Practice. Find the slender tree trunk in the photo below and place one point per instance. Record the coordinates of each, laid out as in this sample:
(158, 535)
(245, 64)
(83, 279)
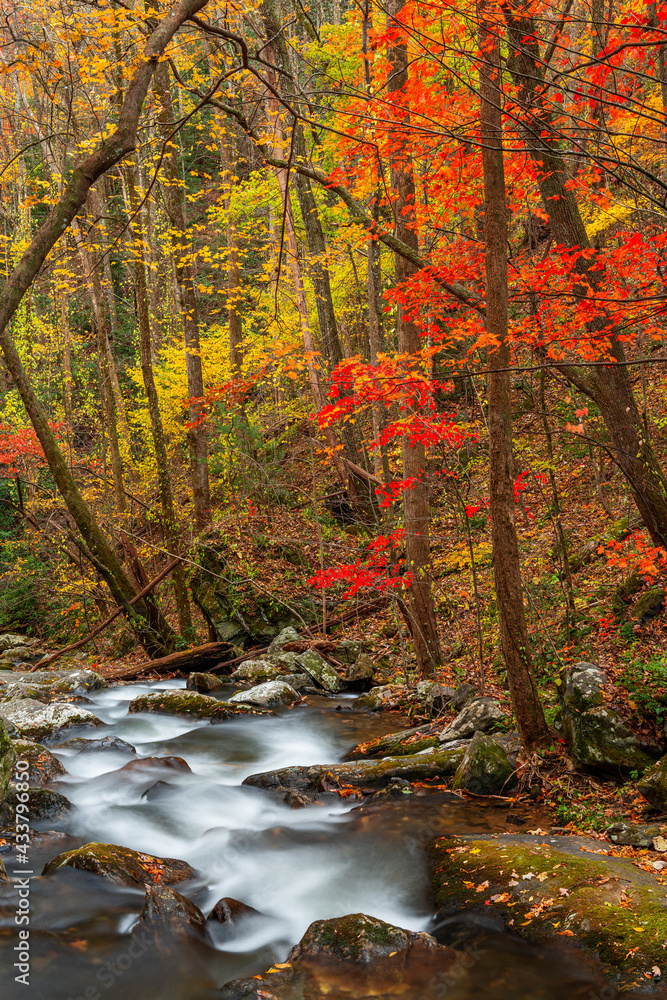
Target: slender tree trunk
(506, 564)
(415, 504)
(175, 202)
(234, 317)
(171, 529)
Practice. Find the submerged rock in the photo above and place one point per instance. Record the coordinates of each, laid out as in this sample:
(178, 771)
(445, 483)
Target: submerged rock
(204, 683)
(231, 911)
(361, 773)
(478, 715)
(43, 766)
(83, 745)
(596, 736)
(122, 865)
(485, 769)
(272, 694)
(190, 704)
(40, 722)
(169, 914)
(322, 672)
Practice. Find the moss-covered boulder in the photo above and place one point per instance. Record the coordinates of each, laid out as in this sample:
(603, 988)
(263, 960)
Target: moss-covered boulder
(168, 915)
(43, 766)
(203, 683)
(288, 634)
(45, 723)
(649, 605)
(233, 608)
(653, 785)
(633, 834)
(357, 938)
(324, 675)
(9, 640)
(298, 681)
(190, 704)
(379, 699)
(596, 735)
(440, 763)
(43, 803)
(7, 760)
(485, 769)
(543, 887)
(272, 694)
(256, 672)
(122, 865)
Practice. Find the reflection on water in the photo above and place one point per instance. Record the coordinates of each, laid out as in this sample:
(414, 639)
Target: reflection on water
(295, 866)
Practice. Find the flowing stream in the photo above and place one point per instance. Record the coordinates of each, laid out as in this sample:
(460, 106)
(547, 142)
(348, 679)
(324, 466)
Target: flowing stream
(293, 865)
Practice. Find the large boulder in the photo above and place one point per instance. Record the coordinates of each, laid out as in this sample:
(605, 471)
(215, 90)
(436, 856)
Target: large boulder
(272, 694)
(653, 785)
(478, 716)
(285, 635)
(7, 760)
(45, 723)
(10, 640)
(596, 735)
(632, 834)
(378, 699)
(43, 803)
(122, 865)
(46, 685)
(485, 769)
(357, 938)
(324, 675)
(190, 704)
(235, 610)
(298, 681)
(43, 766)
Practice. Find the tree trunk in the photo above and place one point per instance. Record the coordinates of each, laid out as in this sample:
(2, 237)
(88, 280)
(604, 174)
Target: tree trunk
(172, 534)
(506, 565)
(153, 632)
(175, 202)
(234, 316)
(415, 504)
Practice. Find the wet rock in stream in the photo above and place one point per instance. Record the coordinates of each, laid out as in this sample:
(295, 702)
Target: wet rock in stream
(190, 704)
(43, 766)
(168, 914)
(485, 769)
(7, 760)
(122, 865)
(81, 744)
(271, 694)
(203, 683)
(50, 685)
(229, 911)
(33, 720)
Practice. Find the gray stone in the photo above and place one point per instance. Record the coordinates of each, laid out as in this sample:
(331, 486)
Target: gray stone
(271, 695)
(485, 768)
(322, 672)
(584, 687)
(285, 661)
(298, 681)
(349, 651)
(39, 722)
(434, 697)
(9, 640)
(631, 835)
(359, 677)
(377, 699)
(479, 715)
(255, 672)
(83, 745)
(464, 693)
(288, 634)
(46, 686)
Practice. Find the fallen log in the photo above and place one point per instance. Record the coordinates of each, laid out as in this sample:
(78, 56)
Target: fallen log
(209, 658)
(100, 628)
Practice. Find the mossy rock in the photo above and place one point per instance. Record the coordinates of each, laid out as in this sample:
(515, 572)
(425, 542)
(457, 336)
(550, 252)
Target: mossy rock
(256, 671)
(43, 803)
(122, 865)
(600, 740)
(653, 785)
(191, 705)
(485, 769)
(271, 694)
(402, 744)
(47, 686)
(440, 763)
(43, 766)
(649, 605)
(7, 760)
(203, 683)
(544, 888)
(356, 938)
(625, 590)
(324, 675)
